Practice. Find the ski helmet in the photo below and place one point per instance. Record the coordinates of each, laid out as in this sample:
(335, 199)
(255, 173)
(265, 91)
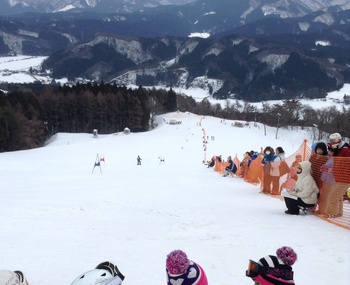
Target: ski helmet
(104, 273)
(21, 277)
(12, 278)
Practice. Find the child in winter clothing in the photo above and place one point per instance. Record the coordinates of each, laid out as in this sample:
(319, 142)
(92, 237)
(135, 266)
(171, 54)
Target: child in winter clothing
(292, 176)
(275, 170)
(305, 191)
(182, 271)
(274, 270)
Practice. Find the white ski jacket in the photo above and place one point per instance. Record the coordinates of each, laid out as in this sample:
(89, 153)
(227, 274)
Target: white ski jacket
(306, 188)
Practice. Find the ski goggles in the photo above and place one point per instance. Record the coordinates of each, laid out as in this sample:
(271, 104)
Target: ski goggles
(255, 269)
(333, 145)
(299, 169)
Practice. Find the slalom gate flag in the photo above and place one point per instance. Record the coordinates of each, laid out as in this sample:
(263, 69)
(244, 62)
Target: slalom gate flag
(97, 163)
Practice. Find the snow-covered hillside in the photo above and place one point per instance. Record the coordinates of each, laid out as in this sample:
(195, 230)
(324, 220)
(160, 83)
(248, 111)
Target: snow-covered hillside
(16, 70)
(60, 216)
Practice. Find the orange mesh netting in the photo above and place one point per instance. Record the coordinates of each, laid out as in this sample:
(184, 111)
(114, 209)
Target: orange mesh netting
(254, 173)
(223, 166)
(217, 167)
(238, 164)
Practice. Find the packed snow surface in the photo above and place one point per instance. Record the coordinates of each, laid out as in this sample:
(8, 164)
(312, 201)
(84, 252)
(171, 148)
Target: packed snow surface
(61, 216)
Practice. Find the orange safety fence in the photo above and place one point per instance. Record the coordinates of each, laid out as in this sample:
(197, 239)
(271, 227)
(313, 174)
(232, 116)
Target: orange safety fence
(217, 167)
(254, 173)
(335, 182)
(223, 166)
(238, 164)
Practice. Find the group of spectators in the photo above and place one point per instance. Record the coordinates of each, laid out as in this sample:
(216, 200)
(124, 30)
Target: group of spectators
(331, 169)
(319, 180)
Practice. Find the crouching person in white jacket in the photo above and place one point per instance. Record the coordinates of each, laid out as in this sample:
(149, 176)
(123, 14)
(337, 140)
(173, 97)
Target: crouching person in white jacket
(305, 193)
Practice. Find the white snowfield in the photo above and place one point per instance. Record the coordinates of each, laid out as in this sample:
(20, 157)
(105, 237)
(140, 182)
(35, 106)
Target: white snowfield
(59, 218)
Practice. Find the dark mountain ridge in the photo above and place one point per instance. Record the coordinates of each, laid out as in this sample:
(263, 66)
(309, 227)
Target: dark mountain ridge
(252, 68)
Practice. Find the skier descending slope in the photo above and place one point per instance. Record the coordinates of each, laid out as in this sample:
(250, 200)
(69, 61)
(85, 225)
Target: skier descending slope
(106, 273)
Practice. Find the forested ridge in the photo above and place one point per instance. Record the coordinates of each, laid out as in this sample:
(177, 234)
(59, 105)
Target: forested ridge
(29, 115)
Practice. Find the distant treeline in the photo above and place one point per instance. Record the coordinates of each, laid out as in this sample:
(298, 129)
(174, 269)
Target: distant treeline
(30, 114)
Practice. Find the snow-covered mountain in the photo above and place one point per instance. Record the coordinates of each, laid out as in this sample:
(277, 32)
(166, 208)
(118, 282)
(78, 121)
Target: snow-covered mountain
(50, 6)
(245, 8)
(255, 46)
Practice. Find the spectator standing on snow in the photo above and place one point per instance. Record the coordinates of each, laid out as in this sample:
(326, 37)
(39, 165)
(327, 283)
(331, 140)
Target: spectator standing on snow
(254, 171)
(340, 147)
(244, 164)
(321, 148)
(139, 160)
(279, 154)
(268, 157)
(253, 156)
(182, 271)
(327, 177)
(276, 170)
(274, 270)
(318, 158)
(305, 193)
(342, 182)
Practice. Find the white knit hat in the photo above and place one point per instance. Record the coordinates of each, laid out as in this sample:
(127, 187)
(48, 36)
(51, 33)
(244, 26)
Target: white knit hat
(334, 140)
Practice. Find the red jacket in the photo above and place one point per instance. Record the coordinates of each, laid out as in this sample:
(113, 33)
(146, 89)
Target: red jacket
(344, 151)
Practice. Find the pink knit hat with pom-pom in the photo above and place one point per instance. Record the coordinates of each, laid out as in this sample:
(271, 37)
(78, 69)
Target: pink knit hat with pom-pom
(280, 271)
(182, 271)
(177, 262)
(287, 255)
